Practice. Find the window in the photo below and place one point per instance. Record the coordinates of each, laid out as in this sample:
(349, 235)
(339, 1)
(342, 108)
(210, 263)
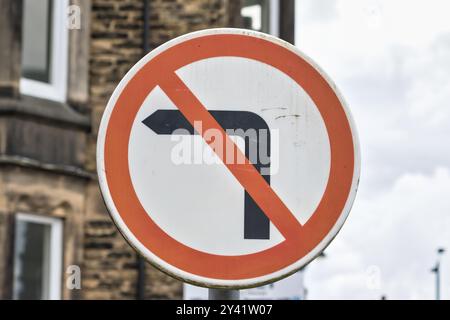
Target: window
(37, 257)
(262, 15)
(44, 49)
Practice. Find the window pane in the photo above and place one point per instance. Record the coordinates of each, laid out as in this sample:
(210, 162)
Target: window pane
(36, 39)
(31, 261)
(256, 15)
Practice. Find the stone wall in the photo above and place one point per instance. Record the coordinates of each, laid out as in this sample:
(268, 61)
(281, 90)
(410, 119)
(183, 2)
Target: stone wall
(170, 19)
(47, 149)
(110, 265)
(27, 190)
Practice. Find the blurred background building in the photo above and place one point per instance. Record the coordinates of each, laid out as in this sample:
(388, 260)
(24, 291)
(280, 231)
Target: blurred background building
(60, 60)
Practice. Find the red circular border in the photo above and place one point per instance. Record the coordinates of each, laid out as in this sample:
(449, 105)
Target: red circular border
(194, 261)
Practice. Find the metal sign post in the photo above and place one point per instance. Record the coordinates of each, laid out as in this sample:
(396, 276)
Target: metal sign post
(223, 294)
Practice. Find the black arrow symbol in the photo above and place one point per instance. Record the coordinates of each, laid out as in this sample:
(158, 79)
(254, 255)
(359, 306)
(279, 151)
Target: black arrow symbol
(165, 122)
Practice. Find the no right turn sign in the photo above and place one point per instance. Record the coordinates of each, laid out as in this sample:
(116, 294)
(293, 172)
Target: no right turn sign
(227, 158)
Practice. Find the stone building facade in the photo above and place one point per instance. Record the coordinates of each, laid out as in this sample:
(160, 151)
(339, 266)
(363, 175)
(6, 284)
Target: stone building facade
(52, 216)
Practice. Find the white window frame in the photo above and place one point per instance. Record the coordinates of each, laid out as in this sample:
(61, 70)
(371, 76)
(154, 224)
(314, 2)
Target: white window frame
(274, 17)
(55, 253)
(56, 89)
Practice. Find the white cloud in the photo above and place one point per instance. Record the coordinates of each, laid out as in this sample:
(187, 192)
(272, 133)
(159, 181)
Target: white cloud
(361, 33)
(391, 60)
(395, 78)
(397, 233)
(429, 96)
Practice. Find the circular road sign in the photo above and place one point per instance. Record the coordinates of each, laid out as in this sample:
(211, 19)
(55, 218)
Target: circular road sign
(228, 158)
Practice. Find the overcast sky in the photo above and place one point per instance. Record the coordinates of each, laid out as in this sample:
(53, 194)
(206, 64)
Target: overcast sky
(391, 61)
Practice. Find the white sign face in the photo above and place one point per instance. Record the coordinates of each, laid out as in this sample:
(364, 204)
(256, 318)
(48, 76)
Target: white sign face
(227, 158)
(204, 186)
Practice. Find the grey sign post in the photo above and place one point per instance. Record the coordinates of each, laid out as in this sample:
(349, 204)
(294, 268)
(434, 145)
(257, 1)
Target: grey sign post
(223, 294)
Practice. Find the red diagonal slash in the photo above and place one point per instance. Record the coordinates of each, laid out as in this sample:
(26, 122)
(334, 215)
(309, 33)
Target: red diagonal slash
(244, 172)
